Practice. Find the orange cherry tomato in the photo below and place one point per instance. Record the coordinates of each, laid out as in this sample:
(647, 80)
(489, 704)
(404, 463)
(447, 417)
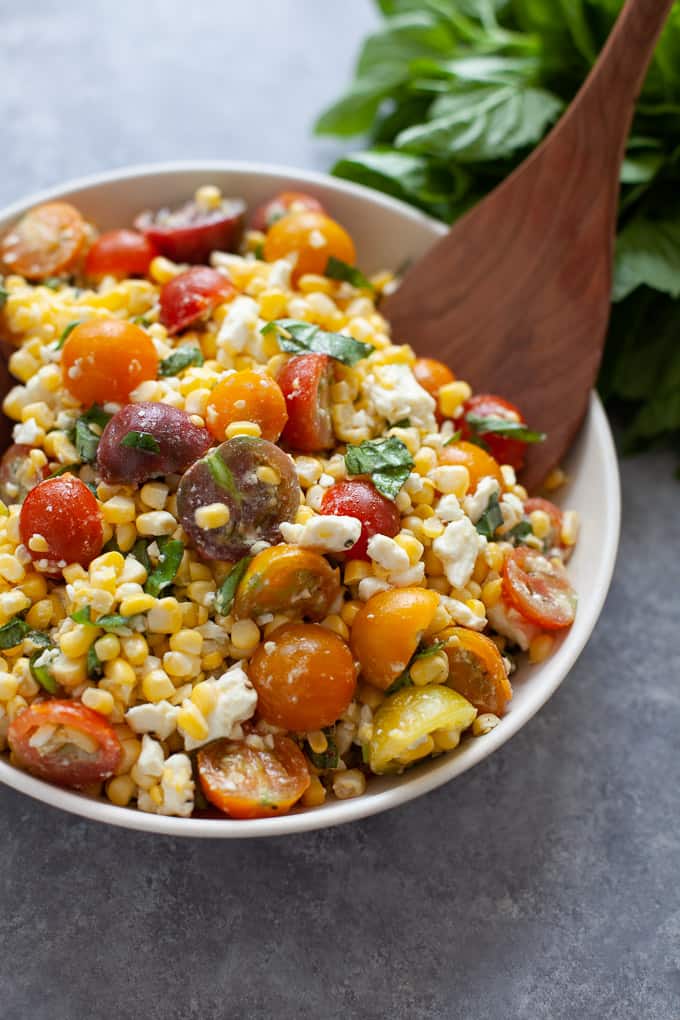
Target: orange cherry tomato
(504, 449)
(304, 677)
(61, 759)
(282, 204)
(249, 782)
(286, 577)
(478, 462)
(432, 374)
(46, 241)
(119, 253)
(554, 538)
(65, 513)
(387, 631)
(191, 295)
(476, 670)
(105, 359)
(247, 396)
(539, 589)
(314, 237)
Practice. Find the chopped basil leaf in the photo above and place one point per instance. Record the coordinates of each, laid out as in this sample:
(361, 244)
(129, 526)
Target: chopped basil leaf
(222, 474)
(53, 282)
(181, 359)
(403, 680)
(491, 519)
(258, 251)
(39, 639)
(93, 663)
(111, 545)
(424, 653)
(304, 337)
(403, 423)
(327, 759)
(97, 415)
(4, 294)
(387, 461)
(41, 673)
(109, 623)
(143, 441)
(504, 427)
(454, 438)
(141, 555)
(172, 551)
(85, 437)
(66, 333)
(519, 532)
(82, 615)
(141, 320)
(13, 633)
(336, 269)
(227, 590)
(63, 469)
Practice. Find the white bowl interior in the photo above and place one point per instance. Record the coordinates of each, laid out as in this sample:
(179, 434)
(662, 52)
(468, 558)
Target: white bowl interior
(387, 233)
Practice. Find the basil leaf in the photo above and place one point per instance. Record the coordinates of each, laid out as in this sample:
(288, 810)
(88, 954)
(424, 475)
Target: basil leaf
(84, 436)
(66, 333)
(180, 359)
(82, 615)
(224, 598)
(97, 416)
(327, 759)
(113, 622)
(141, 555)
(503, 427)
(403, 680)
(141, 320)
(336, 269)
(143, 441)
(403, 423)
(304, 337)
(4, 294)
(425, 653)
(39, 639)
(41, 673)
(13, 633)
(491, 519)
(518, 533)
(64, 469)
(387, 461)
(258, 251)
(54, 282)
(93, 664)
(222, 474)
(455, 438)
(172, 551)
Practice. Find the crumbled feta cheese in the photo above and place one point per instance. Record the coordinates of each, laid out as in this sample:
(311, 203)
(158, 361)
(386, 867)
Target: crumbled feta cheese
(395, 394)
(476, 503)
(461, 614)
(448, 509)
(511, 624)
(240, 329)
(387, 553)
(149, 764)
(412, 575)
(176, 788)
(279, 274)
(235, 702)
(332, 533)
(160, 718)
(512, 509)
(370, 586)
(458, 548)
(28, 432)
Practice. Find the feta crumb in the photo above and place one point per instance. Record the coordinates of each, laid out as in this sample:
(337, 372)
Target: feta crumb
(332, 533)
(387, 553)
(160, 718)
(458, 548)
(511, 624)
(395, 393)
(476, 503)
(448, 509)
(235, 702)
(240, 329)
(370, 586)
(28, 432)
(176, 787)
(461, 614)
(412, 575)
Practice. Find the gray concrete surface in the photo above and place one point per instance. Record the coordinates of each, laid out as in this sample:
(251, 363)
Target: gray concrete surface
(544, 884)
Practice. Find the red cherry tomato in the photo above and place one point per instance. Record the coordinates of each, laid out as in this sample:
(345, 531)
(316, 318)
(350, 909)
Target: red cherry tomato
(554, 538)
(119, 253)
(64, 759)
(360, 498)
(191, 233)
(502, 449)
(192, 294)
(539, 589)
(287, 201)
(65, 513)
(305, 382)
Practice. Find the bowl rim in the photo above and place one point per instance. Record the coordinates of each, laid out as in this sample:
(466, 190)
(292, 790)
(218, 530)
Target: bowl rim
(400, 793)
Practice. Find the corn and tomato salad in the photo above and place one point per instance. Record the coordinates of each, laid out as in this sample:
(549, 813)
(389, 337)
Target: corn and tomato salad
(251, 551)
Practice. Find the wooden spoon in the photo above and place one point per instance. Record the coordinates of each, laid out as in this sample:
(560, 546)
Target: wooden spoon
(516, 297)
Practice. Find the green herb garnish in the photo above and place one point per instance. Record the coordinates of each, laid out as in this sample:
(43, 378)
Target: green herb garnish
(403, 680)
(4, 294)
(54, 282)
(139, 551)
(327, 759)
(141, 320)
(171, 552)
(224, 598)
(455, 438)
(304, 337)
(221, 474)
(64, 469)
(41, 673)
(504, 427)
(258, 251)
(110, 622)
(519, 532)
(387, 461)
(180, 359)
(86, 439)
(425, 653)
(67, 332)
(491, 519)
(336, 269)
(142, 441)
(13, 633)
(93, 664)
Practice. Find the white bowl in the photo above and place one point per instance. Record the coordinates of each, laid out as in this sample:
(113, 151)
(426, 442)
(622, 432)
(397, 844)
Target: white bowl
(387, 233)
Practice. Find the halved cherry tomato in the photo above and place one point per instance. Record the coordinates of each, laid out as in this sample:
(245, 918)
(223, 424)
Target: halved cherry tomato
(405, 722)
(357, 497)
(387, 631)
(305, 382)
(83, 748)
(46, 241)
(314, 237)
(192, 294)
(191, 233)
(286, 577)
(249, 782)
(476, 670)
(65, 513)
(180, 443)
(266, 215)
(432, 374)
(554, 537)
(503, 449)
(247, 396)
(17, 473)
(304, 677)
(478, 462)
(539, 589)
(105, 359)
(119, 253)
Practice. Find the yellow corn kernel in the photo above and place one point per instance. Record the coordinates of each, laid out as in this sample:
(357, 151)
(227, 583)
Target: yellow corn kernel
(570, 528)
(268, 475)
(452, 479)
(411, 546)
(202, 593)
(315, 794)
(318, 741)
(13, 602)
(474, 589)
(349, 611)
(156, 794)
(433, 527)
(130, 748)
(34, 587)
(245, 635)
(445, 740)
(541, 523)
(9, 685)
(540, 648)
(432, 669)
(304, 514)
(357, 570)
(440, 620)
(39, 615)
(214, 515)
(155, 523)
(179, 664)
(165, 617)
(337, 625)
(157, 685)
(22, 366)
(451, 396)
(278, 621)
(494, 556)
(107, 647)
(134, 604)
(77, 641)
(481, 570)
(98, 701)
(120, 673)
(425, 460)
(69, 672)
(119, 510)
(491, 593)
(110, 560)
(477, 607)
(243, 428)
(204, 697)
(212, 660)
(273, 304)
(369, 695)
(425, 497)
(74, 572)
(120, 790)
(135, 649)
(413, 524)
(311, 282)
(104, 578)
(484, 724)
(11, 569)
(555, 480)
(162, 270)
(126, 536)
(199, 571)
(191, 721)
(350, 783)
(433, 565)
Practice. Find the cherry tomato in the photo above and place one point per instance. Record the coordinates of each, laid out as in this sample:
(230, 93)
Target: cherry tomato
(65, 513)
(247, 396)
(306, 383)
(46, 241)
(478, 462)
(404, 723)
(191, 233)
(17, 473)
(83, 749)
(286, 577)
(387, 631)
(249, 782)
(476, 670)
(554, 538)
(539, 589)
(180, 443)
(105, 359)
(314, 237)
(432, 374)
(304, 677)
(486, 405)
(357, 497)
(119, 253)
(192, 294)
(282, 204)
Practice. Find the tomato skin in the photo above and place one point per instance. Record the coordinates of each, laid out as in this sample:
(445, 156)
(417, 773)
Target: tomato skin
(478, 462)
(119, 253)
(66, 514)
(47, 241)
(314, 237)
(387, 629)
(52, 767)
(305, 382)
(17, 475)
(304, 677)
(539, 589)
(266, 215)
(247, 396)
(476, 670)
(502, 449)
(191, 233)
(191, 294)
(432, 374)
(106, 359)
(284, 577)
(247, 782)
(359, 498)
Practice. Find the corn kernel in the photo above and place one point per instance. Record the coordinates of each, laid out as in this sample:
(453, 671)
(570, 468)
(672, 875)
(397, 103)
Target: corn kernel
(451, 479)
(484, 724)
(268, 475)
(491, 593)
(157, 686)
(11, 569)
(130, 748)
(120, 790)
(119, 510)
(98, 701)
(214, 515)
(34, 587)
(541, 523)
(440, 620)
(135, 649)
(39, 615)
(445, 740)
(477, 607)
(555, 480)
(204, 697)
(69, 672)
(425, 460)
(369, 695)
(494, 556)
(570, 528)
(357, 570)
(540, 648)
(243, 428)
(120, 673)
(273, 304)
(189, 641)
(191, 721)
(107, 647)
(202, 593)
(212, 660)
(165, 617)
(74, 572)
(9, 685)
(411, 546)
(433, 527)
(245, 635)
(179, 664)
(38, 543)
(432, 669)
(315, 794)
(76, 642)
(451, 396)
(162, 270)
(349, 611)
(350, 783)
(134, 604)
(155, 523)
(337, 625)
